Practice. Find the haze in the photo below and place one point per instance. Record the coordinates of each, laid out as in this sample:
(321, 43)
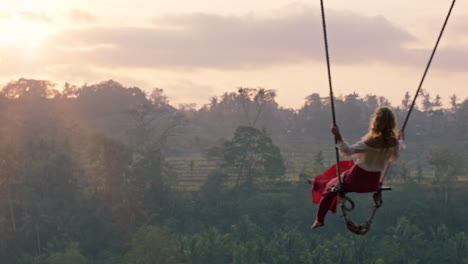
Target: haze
(197, 50)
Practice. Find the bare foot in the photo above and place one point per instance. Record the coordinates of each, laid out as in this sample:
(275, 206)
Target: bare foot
(316, 224)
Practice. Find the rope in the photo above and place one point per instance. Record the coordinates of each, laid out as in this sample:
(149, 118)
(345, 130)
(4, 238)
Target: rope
(332, 101)
(423, 77)
(353, 227)
(428, 65)
(360, 229)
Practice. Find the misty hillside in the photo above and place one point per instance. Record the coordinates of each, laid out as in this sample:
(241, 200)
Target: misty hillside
(103, 173)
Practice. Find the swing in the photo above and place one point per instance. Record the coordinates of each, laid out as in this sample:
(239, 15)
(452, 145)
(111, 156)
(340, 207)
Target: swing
(363, 228)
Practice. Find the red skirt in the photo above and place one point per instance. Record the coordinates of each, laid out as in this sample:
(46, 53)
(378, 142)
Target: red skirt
(356, 180)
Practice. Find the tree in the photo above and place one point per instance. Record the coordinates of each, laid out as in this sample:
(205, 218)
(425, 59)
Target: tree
(318, 165)
(454, 102)
(402, 170)
(109, 182)
(437, 101)
(447, 166)
(214, 153)
(461, 118)
(28, 88)
(461, 245)
(152, 125)
(426, 101)
(312, 117)
(9, 171)
(45, 188)
(406, 101)
(257, 99)
(104, 107)
(372, 101)
(408, 237)
(447, 163)
(313, 99)
(71, 255)
(352, 114)
(151, 244)
(251, 153)
(158, 98)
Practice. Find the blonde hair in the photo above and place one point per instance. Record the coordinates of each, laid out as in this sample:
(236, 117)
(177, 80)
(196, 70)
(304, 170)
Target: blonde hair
(382, 124)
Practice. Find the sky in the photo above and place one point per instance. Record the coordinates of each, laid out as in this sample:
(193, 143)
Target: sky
(198, 49)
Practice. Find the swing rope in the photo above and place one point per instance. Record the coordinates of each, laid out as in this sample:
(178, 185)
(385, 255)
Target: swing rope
(427, 67)
(332, 101)
(362, 229)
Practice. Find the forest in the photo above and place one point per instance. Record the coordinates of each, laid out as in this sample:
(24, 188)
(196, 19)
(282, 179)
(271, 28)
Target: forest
(107, 174)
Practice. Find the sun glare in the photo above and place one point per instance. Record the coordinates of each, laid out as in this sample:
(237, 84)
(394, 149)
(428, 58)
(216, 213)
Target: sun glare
(17, 30)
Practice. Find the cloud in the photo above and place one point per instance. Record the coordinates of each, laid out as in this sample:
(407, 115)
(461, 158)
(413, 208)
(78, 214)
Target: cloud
(81, 17)
(457, 28)
(35, 16)
(212, 41)
(460, 23)
(195, 41)
(73, 73)
(451, 59)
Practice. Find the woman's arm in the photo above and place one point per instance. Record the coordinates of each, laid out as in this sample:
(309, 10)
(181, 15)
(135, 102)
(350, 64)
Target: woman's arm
(336, 131)
(346, 149)
(401, 135)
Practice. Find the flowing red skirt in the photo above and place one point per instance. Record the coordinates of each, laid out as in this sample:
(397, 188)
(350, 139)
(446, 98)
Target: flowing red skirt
(356, 180)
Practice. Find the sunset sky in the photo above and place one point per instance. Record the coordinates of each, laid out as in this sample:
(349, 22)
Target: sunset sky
(198, 49)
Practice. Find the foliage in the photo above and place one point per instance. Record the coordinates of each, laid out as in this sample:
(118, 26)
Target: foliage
(71, 255)
(252, 153)
(149, 245)
(84, 179)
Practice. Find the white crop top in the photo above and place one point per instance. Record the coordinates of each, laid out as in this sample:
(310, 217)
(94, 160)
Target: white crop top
(369, 158)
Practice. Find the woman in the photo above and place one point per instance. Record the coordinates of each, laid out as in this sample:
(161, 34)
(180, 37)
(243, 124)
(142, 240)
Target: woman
(373, 154)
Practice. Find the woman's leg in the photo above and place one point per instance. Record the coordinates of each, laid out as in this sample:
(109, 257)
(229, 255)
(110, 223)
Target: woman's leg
(327, 201)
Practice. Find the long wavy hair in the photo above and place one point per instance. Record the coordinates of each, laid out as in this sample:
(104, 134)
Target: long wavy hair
(383, 125)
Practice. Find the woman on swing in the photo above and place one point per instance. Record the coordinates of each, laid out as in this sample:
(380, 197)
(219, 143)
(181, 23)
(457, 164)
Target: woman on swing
(373, 154)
